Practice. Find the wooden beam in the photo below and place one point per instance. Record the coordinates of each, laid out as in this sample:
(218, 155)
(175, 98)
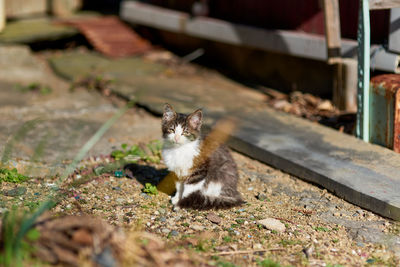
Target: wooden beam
(332, 30)
(342, 91)
(293, 43)
(383, 4)
(394, 30)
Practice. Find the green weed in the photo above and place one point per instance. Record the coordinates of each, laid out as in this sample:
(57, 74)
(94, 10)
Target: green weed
(240, 221)
(321, 229)
(35, 87)
(267, 263)
(150, 189)
(225, 264)
(12, 176)
(150, 152)
(17, 226)
(227, 239)
(18, 234)
(287, 242)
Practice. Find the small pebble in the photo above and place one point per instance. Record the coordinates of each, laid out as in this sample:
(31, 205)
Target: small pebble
(174, 233)
(105, 258)
(257, 246)
(165, 231)
(145, 196)
(99, 170)
(308, 251)
(18, 191)
(214, 218)
(163, 219)
(118, 174)
(162, 211)
(116, 188)
(272, 224)
(198, 227)
(120, 200)
(261, 197)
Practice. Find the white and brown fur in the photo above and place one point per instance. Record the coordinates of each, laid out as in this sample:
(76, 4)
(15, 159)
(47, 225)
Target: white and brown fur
(211, 184)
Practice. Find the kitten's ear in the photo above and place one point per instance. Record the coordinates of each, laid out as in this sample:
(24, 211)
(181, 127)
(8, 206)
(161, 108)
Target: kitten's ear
(195, 119)
(169, 113)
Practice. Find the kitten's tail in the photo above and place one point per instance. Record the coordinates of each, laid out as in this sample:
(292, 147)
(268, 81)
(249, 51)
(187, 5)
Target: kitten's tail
(198, 201)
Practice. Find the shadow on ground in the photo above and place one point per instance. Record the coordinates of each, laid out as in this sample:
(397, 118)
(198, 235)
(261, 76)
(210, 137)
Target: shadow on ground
(145, 173)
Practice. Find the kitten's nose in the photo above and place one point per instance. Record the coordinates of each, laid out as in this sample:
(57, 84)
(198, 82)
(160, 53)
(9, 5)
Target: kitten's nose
(176, 137)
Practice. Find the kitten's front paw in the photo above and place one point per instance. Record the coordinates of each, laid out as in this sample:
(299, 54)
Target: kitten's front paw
(174, 200)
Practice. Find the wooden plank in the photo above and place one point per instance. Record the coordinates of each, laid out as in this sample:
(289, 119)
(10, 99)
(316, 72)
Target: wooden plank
(332, 30)
(333, 47)
(394, 30)
(23, 8)
(383, 4)
(361, 173)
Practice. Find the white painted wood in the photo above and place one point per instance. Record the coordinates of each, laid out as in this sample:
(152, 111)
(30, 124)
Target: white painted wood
(161, 18)
(23, 8)
(2, 15)
(383, 4)
(63, 8)
(394, 30)
(293, 43)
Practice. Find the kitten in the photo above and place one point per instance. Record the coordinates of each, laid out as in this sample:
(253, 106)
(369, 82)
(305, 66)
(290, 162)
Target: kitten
(210, 184)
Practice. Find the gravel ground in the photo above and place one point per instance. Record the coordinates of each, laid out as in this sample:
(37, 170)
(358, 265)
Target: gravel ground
(320, 229)
(312, 226)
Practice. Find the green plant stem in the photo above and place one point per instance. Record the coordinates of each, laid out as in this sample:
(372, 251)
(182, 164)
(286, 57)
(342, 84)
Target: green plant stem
(92, 141)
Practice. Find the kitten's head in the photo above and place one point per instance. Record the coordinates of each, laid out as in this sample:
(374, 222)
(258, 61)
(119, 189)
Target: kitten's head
(180, 129)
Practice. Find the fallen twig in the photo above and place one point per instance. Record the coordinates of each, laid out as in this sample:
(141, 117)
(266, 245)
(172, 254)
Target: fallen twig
(244, 251)
(282, 219)
(304, 211)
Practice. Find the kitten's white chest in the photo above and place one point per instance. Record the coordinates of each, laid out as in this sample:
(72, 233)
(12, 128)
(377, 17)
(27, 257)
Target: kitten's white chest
(180, 159)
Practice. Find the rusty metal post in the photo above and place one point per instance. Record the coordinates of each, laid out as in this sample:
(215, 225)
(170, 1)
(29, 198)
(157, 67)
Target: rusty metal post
(363, 38)
(385, 102)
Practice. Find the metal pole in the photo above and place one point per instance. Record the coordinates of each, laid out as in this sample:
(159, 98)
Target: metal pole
(363, 38)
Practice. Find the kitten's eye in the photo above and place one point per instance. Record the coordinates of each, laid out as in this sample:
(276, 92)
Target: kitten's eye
(171, 130)
(186, 133)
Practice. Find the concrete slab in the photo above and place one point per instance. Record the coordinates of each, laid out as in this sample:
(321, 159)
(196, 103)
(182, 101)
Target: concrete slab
(35, 30)
(361, 173)
(74, 64)
(65, 120)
